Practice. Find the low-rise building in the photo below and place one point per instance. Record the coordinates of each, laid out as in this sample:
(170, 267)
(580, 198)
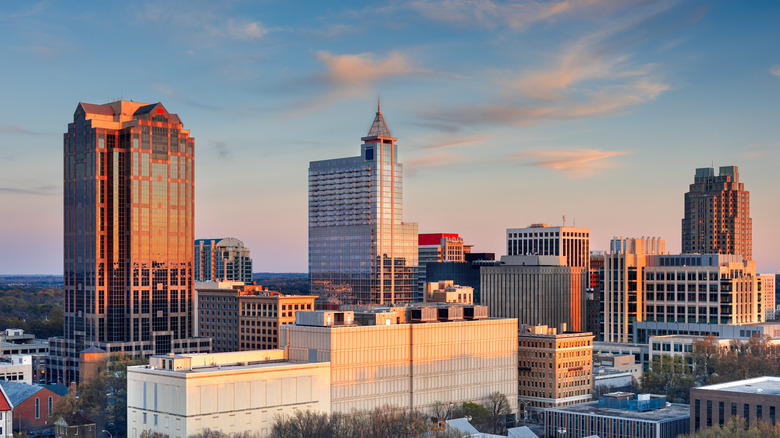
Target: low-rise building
(554, 369)
(18, 368)
(78, 426)
(33, 405)
(752, 399)
(329, 364)
(446, 291)
(17, 342)
(6, 415)
(620, 414)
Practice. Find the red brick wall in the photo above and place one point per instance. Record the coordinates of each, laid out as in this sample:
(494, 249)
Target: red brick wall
(26, 411)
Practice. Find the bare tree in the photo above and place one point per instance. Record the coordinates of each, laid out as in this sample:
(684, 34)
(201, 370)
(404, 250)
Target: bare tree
(498, 406)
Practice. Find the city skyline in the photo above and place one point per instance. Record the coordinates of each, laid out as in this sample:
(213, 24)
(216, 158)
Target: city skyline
(511, 114)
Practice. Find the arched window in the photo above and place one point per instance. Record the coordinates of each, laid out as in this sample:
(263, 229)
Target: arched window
(37, 408)
(51, 405)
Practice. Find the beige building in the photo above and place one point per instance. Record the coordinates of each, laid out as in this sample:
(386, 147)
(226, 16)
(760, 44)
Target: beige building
(752, 399)
(446, 291)
(766, 285)
(330, 364)
(554, 369)
(242, 317)
(183, 395)
(437, 247)
(536, 290)
(18, 368)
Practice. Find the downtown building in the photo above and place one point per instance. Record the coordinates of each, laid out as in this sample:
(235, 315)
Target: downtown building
(435, 248)
(360, 250)
(128, 233)
(717, 214)
(546, 240)
(641, 284)
(329, 364)
(222, 260)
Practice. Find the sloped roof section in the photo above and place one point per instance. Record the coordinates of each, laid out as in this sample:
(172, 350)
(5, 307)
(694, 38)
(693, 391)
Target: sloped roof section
(146, 108)
(91, 108)
(378, 127)
(5, 402)
(18, 392)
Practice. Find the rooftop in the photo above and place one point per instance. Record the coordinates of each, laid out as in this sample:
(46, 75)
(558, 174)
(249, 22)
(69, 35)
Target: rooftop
(671, 411)
(766, 385)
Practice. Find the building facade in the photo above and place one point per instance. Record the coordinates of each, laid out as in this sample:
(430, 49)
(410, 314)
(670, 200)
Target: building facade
(6, 415)
(620, 414)
(546, 240)
(33, 406)
(247, 317)
(554, 369)
(766, 286)
(717, 214)
(434, 248)
(752, 399)
(537, 290)
(360, 250)
(448, 292)
(222, 260)
(128, 227)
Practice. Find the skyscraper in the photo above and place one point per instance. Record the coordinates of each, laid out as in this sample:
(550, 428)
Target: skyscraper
(437, 247)
(360, 250)
(128, 233)
(222, 260)
(542, 239)
(717, 214)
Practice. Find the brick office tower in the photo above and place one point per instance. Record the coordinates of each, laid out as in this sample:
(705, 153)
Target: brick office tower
(128, 233)
(717, 214)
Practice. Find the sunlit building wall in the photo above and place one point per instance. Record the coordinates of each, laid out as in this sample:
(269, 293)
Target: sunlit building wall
(222, 260)
(360, 251)
(128, 227)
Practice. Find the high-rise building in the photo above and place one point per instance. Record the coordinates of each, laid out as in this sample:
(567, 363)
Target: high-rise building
(437, 247)
(360, 250)
(717, 214)
(643, 284)
(766, 285)
(128, 226)
(546, 240)
(222, 260)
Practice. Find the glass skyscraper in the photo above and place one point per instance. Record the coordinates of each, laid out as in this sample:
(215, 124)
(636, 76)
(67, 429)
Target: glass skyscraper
(360, 250)
(128, 233)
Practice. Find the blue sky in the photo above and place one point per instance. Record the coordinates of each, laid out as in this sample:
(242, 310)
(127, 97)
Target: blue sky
(506, 113)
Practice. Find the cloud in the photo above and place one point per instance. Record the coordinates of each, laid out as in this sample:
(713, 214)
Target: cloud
(365, 67)
(221, 148)
(775, 70)
(18, 129)
(575, 163)
(456, 142)
(433, 159)
(38, 191)
(246, 30)
(163, 89)
(514, 15)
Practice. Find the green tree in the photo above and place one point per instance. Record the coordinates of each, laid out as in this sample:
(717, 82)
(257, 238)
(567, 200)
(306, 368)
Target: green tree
(670, 375)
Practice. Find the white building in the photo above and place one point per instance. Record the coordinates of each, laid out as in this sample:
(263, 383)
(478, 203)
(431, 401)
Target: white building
(546, 240)
(18, 369)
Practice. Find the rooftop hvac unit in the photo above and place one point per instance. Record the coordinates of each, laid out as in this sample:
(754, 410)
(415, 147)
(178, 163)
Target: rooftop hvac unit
(422, 314)
(450, 313)
(475, 312)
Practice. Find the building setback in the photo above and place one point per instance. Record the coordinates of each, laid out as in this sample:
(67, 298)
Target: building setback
(222, 260)
(360, 250)
(128, 227)
(537, 290)
(717, 214)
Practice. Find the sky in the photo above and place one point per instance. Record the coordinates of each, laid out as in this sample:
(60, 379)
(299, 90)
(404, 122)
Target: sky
(506, 113)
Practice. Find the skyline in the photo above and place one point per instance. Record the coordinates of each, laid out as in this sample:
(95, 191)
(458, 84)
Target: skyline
(598, 111)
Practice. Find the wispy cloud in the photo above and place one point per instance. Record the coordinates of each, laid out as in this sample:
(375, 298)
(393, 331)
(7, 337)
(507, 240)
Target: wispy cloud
(167, 91)
(366, 67)
(775, 70)
(38, 191)
(437, 158)
(247, 30)
(455, 142)
(514, 15)
(575, 163)
(19, 129)
(221, 149)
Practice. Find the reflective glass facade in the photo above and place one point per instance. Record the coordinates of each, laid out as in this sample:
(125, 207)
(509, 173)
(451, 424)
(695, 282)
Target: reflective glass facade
(360, 250)
(128, 227)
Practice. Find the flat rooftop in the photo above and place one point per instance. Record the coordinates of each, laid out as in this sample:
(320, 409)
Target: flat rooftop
(672, 411)
(760, 385)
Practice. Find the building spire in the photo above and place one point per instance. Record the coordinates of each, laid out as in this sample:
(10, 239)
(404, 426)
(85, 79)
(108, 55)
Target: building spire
(379, 126)
(379, 104)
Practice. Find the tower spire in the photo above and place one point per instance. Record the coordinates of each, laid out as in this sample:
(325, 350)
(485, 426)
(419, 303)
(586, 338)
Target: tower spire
(379, 104)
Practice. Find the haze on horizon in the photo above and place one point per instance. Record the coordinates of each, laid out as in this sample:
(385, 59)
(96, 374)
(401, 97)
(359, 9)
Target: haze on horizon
(506, 113)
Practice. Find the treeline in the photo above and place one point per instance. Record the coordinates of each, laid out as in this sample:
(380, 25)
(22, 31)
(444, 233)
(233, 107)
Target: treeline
(710, 363)
(737, 427)
(35, 309)
(286, 285)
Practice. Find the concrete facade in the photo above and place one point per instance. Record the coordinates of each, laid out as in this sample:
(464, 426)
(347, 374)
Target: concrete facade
(183, 395)
(447, 292)
(546, 240)
(536, 290)
(766, 285)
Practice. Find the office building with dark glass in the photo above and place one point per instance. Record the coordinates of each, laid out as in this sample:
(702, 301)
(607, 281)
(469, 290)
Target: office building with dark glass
(128, 233)
(360, 250)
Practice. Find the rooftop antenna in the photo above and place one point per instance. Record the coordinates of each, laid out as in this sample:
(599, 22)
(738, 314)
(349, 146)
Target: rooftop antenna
(564, 220)
(379, 104)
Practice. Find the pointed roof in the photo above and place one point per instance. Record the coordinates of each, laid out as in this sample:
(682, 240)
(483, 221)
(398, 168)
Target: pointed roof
(379, 126)
(5, 402)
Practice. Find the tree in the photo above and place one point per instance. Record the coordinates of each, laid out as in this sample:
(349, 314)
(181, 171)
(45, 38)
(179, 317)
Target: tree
(498, 407)
(670, 375)
(736, 428)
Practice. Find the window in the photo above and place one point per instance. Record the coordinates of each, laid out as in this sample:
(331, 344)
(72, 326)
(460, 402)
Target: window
(51, 405)
(37, 408)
